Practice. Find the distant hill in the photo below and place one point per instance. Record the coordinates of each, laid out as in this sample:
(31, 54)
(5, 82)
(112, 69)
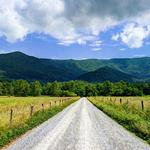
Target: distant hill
(106, 73)
(17, 65)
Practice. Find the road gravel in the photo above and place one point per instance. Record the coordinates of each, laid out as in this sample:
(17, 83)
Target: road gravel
(81, 126)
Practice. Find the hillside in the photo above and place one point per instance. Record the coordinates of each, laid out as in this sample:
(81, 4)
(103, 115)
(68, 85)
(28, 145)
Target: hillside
(17, 65)
(106, 73)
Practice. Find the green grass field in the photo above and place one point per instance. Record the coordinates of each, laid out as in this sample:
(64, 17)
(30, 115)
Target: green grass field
(128, 112)
(21, 120)
(21, 107)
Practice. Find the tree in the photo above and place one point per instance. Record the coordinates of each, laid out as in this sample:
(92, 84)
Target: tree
(53, 89)
(7, 88)
(91, 90)
(79, 88)
(21, 88)
(1, 88)
(36, 88)
(107, 88)
(118, 88)
(68, 93)
(146, 88)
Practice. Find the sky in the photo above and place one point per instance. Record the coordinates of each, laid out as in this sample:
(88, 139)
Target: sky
(76, 29)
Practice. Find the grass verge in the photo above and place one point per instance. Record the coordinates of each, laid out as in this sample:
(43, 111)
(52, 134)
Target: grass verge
(132, 119)
(6, 136)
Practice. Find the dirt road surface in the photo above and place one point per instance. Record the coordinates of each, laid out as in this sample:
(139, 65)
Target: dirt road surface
(81, 126)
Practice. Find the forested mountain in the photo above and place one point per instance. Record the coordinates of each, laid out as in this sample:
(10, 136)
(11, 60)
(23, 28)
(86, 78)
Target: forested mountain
(106, 73)
(17, 65)
(20, 66)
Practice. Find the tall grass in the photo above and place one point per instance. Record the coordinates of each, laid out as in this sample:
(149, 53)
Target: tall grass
(21, 107)
(127, 112)
(22, 120)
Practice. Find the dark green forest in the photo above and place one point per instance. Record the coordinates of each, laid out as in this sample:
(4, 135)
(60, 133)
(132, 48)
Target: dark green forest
(73, 88)
(16, 65)
(91, 77)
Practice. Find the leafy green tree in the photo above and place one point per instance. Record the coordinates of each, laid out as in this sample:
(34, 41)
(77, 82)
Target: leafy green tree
(70, 86)
(80, 88)
(136, 92)
(118, 88)
(21, 88)
(107, 88)
(47, 88)
(91, 90)
(68, 93)
(7, 88)
(1, 88)
(10, 89)
(145, 88)
(36, 88)
(73, 88)
(53, 89)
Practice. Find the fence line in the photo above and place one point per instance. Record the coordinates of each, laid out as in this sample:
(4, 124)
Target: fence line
(32, 109)
(129, 102)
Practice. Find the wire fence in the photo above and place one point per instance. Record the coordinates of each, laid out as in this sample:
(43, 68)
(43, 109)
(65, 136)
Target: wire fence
(137, 102)
(11, 116)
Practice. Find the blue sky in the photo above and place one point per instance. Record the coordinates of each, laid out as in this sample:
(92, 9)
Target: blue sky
(47, 47)
(70, 29)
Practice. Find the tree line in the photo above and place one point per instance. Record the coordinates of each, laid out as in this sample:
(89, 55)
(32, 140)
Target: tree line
(73, 88)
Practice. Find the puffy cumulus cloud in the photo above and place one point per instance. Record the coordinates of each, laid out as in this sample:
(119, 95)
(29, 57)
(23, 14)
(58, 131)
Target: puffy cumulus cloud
(115, 37)
(11, 25)
(133, 35)
(69, 21)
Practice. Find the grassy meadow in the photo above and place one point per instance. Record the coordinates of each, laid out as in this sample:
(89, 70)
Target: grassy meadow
(127, 111)
(27, 112)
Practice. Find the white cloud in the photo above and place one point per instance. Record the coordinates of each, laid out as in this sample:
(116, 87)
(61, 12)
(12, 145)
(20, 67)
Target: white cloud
(133, 35)
(3, 51)
(96, 43)
(96, 49)
(71, 21)
(115, 37)
(122, 49)
(139, 55)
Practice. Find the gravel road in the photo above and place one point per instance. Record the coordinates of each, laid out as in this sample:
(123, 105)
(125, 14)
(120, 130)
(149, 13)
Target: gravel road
(81, 126)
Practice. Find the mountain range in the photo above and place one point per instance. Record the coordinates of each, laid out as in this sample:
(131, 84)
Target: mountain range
(17, 65)
(107, 73)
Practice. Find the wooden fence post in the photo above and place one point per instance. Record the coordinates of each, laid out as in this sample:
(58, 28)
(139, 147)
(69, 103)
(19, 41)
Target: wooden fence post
(142, 105)
(31, 110)
(42, 107)
(50, 104)
(11, 116)
(120, 101)
(55, 103)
